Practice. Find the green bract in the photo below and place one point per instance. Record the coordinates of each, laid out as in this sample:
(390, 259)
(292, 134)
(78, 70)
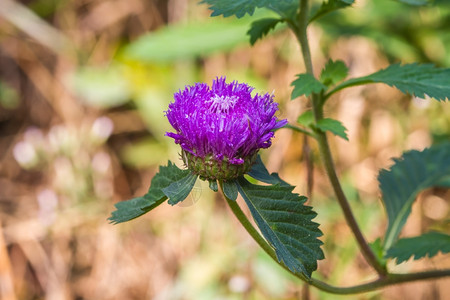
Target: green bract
(209, 168)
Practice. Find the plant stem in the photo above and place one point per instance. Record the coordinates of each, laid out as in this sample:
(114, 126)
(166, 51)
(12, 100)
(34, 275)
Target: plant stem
(298, 129)
(303, 37)
(343, 202)
(324, 147)
(366, 287)
(391, 279)
(249, 226)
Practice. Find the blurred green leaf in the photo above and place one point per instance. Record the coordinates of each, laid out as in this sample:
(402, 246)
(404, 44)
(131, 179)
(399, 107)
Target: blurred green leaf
(272, 279)
(412, 173)
(306, 84)
(418, 34)
(136, 154)
(286, 223)
(415, 2)
(260, 28)
(45, 8)
(334, 126)
(9, 98)
(101, 87)
(151, 103)
(427, 244)
(415, 79)
(131, 209)
(306, 118)
(240, 8)
(330, 6)
(178, 190)
(333, 72)
(187, 41)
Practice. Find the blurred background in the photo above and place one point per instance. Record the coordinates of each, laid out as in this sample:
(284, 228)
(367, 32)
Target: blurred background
(83, 89)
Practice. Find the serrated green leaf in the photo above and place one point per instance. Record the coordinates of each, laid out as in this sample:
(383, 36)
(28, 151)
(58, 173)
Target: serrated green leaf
(334, 126)
(415, 79)
(412, 173)
(334, 72)
(178, 190)
(286, 223)
(306, 84)
(230, 189)
(330, 6)
(427, 244)
(128, 210)
(259, 172)
(187, 41)
(260, 28)
(306, 118)
(240, 8)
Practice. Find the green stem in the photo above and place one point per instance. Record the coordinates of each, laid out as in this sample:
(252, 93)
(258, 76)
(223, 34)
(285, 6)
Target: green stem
(366, 287)
(367, 252)
(381, 282)
(347, 84)
(237, 211)
(298, 129)
(324, 147)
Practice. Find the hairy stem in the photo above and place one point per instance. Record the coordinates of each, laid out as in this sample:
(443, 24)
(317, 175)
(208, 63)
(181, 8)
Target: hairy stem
(343, 202)
(324, 147)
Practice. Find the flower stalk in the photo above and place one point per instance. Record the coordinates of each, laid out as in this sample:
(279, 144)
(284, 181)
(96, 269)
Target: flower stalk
(381, 281)
(324, 148)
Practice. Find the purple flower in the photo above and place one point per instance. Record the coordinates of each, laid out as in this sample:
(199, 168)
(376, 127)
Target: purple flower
(223, 122)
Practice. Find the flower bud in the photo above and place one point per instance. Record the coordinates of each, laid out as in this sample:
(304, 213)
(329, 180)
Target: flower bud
(221, 128)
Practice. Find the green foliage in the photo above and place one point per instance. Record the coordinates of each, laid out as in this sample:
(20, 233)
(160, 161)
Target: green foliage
(306, 84)
(239, 8)
(213, 186)
(330, 6)
(230, 189)
(377, 248)
(178, 190)
(101, 87)
(286, 223)
(412, 173)
(260, 28)
(415, 79)
(306, 118)
(415, 2)
(333, 72)
(259, 172)
(9, 98)
(428, 244)
(334, 126)
(187, 41)
(163, 180)
(417, 34)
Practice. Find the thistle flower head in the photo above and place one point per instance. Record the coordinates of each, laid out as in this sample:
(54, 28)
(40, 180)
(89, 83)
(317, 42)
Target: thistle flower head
(222, 127)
